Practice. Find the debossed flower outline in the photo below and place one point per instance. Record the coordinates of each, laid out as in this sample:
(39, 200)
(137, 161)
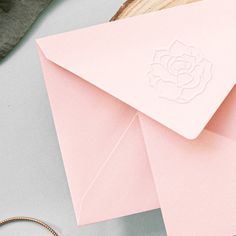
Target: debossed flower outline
(180, 73)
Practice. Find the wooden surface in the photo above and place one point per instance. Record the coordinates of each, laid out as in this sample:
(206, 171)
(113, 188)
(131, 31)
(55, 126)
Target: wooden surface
(137, 7)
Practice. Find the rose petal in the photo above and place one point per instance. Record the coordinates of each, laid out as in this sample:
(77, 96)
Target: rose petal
(188, 94)
(184, 79)
(196, 75)
(190, 61)
(179, 66)
(168, 90)
(159, 71)
(164, 61)
(196, 54)
(178, 49)
(206, 75)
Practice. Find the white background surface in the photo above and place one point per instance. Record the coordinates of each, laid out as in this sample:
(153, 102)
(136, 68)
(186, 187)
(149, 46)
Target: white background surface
(32, 177)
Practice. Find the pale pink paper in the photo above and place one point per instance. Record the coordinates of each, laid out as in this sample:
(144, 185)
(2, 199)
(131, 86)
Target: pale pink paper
(102, 147)
(117, 56)
(196, 180)
(101, 139)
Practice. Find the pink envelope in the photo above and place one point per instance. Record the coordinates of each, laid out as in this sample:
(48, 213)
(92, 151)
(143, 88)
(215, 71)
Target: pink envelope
(131, 101)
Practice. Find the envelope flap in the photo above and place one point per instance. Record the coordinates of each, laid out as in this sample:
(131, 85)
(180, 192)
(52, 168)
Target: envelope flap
(176, 65)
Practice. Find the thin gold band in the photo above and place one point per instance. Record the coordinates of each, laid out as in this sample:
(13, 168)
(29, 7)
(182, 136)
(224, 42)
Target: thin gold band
(28, 219)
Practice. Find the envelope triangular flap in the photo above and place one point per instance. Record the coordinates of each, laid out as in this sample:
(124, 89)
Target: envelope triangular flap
(99, 138)
(166, 64)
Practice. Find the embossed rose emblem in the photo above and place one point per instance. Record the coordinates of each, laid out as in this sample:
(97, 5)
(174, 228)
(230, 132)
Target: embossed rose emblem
(180, 73)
